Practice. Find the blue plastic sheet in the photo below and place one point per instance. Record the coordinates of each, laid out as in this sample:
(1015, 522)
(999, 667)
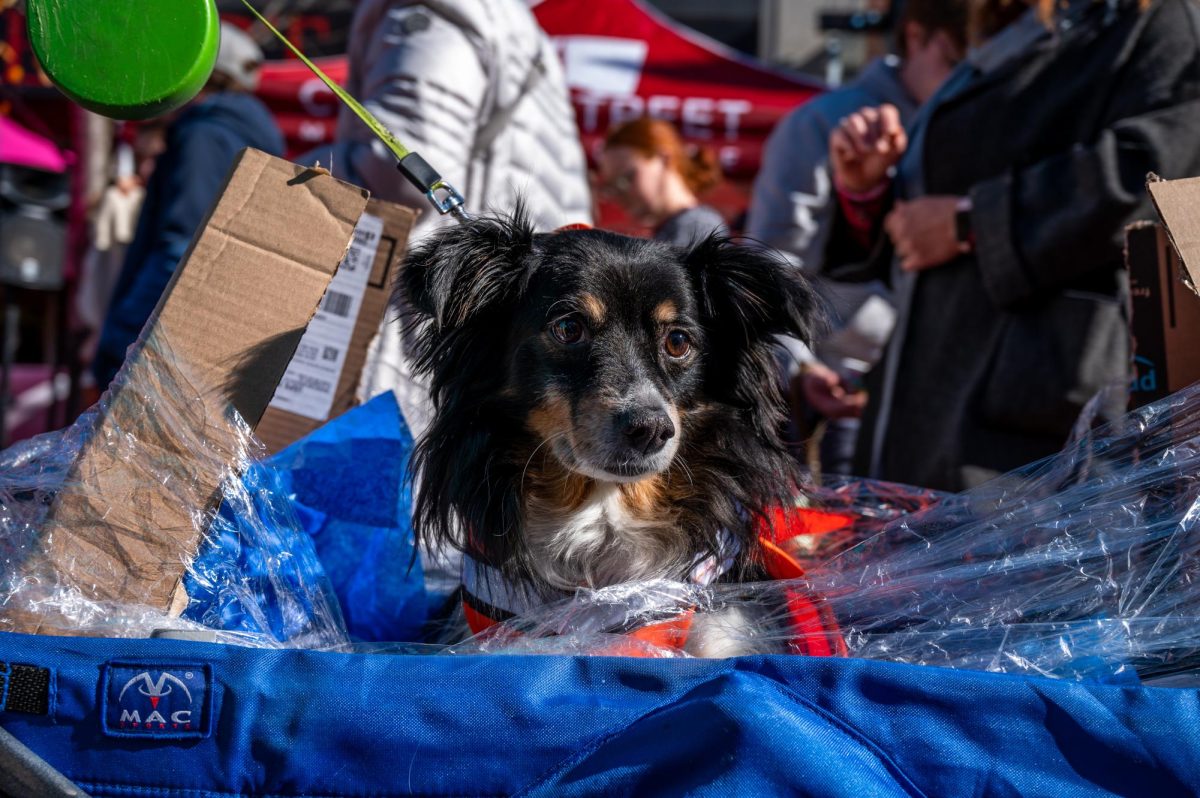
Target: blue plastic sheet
(105, 566)
(348, 483)
(267, 549)
(255, 568)
(345, 486)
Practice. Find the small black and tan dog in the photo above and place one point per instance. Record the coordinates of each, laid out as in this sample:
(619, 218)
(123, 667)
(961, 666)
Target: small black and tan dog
(606, 408)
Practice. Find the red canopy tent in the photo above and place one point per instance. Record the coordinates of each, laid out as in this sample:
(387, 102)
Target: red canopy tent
(304, 107)
(622, 60)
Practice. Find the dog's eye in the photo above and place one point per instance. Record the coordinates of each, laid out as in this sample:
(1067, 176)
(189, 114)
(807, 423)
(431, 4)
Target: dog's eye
(568, 330)
(678, 343)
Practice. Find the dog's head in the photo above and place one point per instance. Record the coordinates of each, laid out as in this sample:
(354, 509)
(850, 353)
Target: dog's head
(613, 354)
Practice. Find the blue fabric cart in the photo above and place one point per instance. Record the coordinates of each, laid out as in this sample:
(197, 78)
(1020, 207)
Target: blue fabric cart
(295, 723)
(158, 718)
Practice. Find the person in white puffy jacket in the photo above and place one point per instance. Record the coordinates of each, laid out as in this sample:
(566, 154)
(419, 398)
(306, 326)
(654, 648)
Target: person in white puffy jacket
(476, 88)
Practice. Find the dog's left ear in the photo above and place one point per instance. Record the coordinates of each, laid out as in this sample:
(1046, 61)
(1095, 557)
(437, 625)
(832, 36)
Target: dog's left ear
(752, 291)
(748, 296)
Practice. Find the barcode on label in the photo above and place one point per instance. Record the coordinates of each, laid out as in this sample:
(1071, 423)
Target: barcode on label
(304, 383)
(337, 304)
(309, 385)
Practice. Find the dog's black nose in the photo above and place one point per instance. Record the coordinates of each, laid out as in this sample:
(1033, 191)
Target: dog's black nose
(647, 431)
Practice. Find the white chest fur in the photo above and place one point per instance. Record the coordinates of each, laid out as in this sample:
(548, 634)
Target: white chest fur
(603, 541)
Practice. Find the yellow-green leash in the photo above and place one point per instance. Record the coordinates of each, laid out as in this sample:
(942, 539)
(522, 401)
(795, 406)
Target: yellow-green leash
(443, 196)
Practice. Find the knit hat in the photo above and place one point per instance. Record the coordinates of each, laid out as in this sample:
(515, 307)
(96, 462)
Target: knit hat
(239, 57)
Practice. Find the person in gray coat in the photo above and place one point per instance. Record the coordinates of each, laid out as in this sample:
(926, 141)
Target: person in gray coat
(793, 201)
(793, 204)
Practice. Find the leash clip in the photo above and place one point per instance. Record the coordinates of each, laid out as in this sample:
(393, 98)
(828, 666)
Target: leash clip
(427, 180)
(451, 202)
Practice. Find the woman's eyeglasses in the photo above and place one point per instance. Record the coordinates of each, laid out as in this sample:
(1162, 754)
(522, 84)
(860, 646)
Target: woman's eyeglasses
(619, 185)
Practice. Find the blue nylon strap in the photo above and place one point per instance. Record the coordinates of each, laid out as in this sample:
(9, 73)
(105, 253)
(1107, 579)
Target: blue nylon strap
(294, 723)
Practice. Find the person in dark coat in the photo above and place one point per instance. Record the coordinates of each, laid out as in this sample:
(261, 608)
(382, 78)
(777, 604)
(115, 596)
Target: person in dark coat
(201, 145)
(1002, 232)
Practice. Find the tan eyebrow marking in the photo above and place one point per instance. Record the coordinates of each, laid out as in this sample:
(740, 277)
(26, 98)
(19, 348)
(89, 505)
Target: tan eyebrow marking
(593, 307)
(666, 312)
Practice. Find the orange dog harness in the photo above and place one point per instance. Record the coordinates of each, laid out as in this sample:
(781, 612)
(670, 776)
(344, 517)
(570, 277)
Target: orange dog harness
(488, 599)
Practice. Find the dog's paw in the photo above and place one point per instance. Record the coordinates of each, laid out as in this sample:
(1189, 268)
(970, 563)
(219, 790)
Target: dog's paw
(733, 632)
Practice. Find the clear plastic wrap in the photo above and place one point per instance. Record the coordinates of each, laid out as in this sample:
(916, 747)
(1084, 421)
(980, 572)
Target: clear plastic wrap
(1085, 565)
(1081, 566)
(249, 575)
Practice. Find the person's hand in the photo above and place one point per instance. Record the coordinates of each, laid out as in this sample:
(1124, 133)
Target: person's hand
(923, 232)
(864, 146)
(825, 392)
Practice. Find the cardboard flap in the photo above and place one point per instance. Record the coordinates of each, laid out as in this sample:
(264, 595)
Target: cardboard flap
(1178, 203)
(254, 275)
(125, 526)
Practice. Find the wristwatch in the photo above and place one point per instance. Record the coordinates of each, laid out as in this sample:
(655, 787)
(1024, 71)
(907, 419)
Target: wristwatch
(962, 224)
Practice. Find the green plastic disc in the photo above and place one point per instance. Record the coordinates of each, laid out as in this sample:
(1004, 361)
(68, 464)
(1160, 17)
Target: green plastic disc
(126, 59)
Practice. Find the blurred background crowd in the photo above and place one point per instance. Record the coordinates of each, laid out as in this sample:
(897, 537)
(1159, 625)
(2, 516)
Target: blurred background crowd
(955, 176)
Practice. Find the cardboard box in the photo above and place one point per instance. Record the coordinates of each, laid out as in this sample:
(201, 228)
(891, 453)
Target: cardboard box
(1176, 202)
(1166, 315)
(321, 381)
(1163, 262)
(223, 333)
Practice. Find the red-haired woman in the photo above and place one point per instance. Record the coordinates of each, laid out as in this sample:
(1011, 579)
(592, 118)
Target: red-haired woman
(657, 179)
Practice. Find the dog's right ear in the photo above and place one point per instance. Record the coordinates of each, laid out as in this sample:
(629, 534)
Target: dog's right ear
(458, 289)
(461, 271)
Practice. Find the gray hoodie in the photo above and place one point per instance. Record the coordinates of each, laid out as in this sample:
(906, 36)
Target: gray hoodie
(793, 198)
(793, 203)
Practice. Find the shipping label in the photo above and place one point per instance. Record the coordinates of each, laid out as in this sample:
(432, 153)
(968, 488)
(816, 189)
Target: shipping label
(311, 380)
